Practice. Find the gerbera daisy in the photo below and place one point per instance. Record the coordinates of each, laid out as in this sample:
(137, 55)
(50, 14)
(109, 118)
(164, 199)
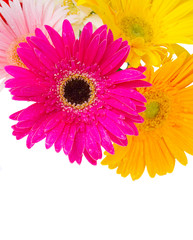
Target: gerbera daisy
(2, 79)
(20, 22)
(149, 26)
(81, 101)
(7, 1)
(82, 15)
(167, 130)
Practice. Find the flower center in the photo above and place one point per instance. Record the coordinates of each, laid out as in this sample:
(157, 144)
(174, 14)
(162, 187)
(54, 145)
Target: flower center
(71, 6)
(152, 109)
(13, 57)
(134, 27)
(157, 108)
(77, 91)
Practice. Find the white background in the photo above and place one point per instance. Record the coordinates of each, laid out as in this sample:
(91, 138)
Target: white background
(43, 196)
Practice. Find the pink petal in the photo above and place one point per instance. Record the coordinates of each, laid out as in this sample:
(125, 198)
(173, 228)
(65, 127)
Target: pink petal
(89, 158)
(78, 147)
(19, 72)
(91, 50)
(21, 82)
(43, 59)
(126, 129)
(138, 103)
(101, 51)
(119, 105)
(68, 34)
(45, 48)
(54, 119)
(115, 62)
(40, 34)
(121, 142)
(140, 68)
(136, 119)
(112, 49)
(127, 101)
(29, 58)
(120, 63)
(15, 115)
(110, 37)
(126, 76)
(99, 30)
(140, 109)
(32, 112)
(94, 132)
(29, 98)
(36, 126)
(85, 40)
(56, 40)
(135, 84)
(112, 127)
(29, 90)
(17, 129)
(124, 44)
(103, 35)
(25, 124)
(105, 140)
(24, 45)
(93, 147)
(39, 134)
(57, 144)
(53, 135)
(76, 49)
(21, 135)
(131, 93)
(61, 140)
(70, 139)
(132, 125)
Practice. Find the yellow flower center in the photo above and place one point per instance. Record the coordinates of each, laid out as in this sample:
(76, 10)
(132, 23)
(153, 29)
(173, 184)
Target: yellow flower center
(152, 109)
(157, 108)
(72, 7)
(135, 27)
(77, 91)
(12, 55)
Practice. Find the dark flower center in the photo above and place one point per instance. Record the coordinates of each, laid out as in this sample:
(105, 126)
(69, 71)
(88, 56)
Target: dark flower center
(77, 91)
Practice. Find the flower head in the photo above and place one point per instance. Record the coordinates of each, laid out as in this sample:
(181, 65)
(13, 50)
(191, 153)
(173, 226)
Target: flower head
(81, 14)
(167, 129)
(149, 26)
(21, 21)
(81, 101)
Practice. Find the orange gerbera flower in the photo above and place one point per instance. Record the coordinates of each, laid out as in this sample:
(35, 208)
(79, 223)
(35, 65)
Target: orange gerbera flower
(167, 130)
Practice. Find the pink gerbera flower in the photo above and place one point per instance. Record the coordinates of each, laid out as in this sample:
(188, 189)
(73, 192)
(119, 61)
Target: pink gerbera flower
(20, 21)
(81, 101)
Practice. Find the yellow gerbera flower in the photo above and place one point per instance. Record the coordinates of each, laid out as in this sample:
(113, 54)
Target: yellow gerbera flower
(150, 26)
(167, 130)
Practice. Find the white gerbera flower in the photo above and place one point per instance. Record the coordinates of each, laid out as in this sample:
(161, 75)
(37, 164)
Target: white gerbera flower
(82, 15)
